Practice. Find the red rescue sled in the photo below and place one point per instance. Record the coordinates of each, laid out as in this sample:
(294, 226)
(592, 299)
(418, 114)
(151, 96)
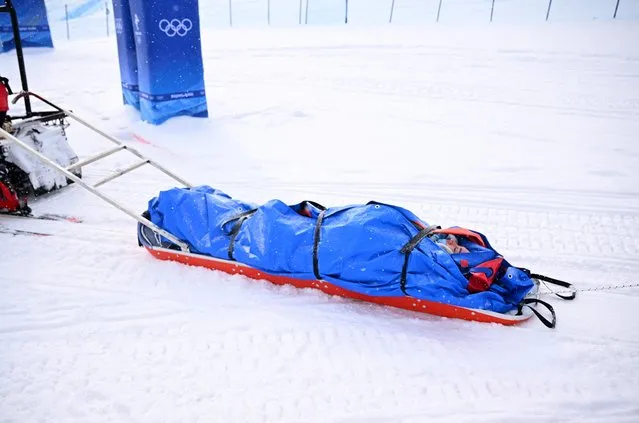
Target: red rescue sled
(405, 302)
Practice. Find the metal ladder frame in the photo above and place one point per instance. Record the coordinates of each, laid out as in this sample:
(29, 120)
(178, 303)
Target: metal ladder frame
(93, 188)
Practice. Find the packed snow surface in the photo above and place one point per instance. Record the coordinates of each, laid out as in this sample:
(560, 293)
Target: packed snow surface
(525, 133)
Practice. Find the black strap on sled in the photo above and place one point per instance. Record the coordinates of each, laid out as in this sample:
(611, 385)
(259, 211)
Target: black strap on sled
(316, 205)
(316, 241)
(236, 230)
(553, 281)
(409, 247)
(527, 303)
(558, 282)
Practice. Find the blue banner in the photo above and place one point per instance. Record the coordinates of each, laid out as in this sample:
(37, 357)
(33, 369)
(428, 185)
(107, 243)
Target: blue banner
(169, 57)
(33, 23)
(84, 9)
(126, 53)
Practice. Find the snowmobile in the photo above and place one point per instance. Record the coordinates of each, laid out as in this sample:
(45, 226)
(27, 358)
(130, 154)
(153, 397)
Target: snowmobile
(21, 177)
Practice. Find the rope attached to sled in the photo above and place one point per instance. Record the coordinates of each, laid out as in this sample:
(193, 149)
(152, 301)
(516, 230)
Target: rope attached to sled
(569, 294)
(527, 302)
(572, 292)
(594, 289)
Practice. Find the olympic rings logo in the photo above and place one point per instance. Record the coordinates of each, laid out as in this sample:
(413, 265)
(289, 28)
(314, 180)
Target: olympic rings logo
(175, 27)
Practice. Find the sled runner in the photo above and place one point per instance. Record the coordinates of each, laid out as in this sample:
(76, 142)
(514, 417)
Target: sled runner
(376, 253)
(154, 246)
(406, 302)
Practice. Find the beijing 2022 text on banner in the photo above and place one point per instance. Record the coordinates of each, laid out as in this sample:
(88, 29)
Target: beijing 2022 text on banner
(33, 22)
(169, 56)
(126, 53)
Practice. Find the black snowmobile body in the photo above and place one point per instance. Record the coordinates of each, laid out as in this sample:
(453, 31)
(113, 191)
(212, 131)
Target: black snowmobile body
(43, 131)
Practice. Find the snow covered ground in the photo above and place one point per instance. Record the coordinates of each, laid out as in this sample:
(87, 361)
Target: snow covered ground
(526, 133)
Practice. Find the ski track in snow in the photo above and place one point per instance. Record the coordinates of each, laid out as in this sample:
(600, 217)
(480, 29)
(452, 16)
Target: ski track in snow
(92, 328)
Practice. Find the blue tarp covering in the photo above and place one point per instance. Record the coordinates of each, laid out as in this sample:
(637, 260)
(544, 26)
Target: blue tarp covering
(33, 23)
(358, 249)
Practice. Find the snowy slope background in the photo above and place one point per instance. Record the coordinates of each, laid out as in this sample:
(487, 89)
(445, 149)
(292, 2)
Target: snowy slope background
(524, 131)
(88, 18)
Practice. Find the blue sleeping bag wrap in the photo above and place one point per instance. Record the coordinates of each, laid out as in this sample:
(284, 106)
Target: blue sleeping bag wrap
(356, 247)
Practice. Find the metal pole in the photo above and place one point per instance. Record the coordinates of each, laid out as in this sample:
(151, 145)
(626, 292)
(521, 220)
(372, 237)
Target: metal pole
(95, 191)
(616, 8)
(306, 17)
(439, 9)
(346, 13)
(390, 19)
(104, 134)
(299, 20)
(548, 11)
(492, 9)
(231, 13)
(19, 54)
(268, 11)
(66, 18)
(106, 6)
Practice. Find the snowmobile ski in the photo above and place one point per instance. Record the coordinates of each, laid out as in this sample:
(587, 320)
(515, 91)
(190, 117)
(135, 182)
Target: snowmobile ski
(16, 232)
(46, 216)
